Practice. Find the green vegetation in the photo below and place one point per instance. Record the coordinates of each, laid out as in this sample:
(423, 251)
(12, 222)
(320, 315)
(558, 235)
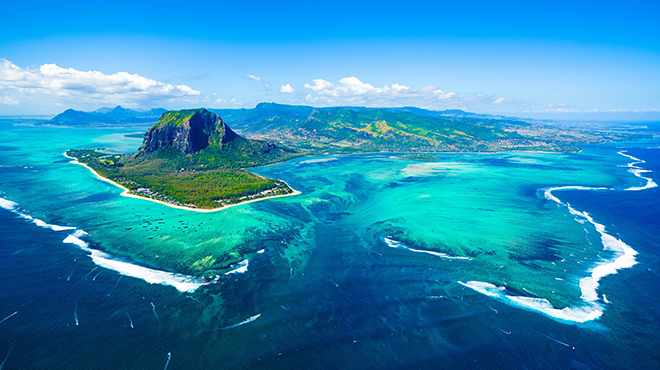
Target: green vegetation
(409, 129)
(191, 157)
(347, 130)
(207, 178)
(159, 180)
(176, 117)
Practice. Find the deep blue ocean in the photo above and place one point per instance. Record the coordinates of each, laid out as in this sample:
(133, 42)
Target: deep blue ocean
(359, 309)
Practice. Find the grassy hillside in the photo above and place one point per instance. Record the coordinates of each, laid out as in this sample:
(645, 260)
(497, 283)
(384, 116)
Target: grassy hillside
(358, 129)
(343, 129)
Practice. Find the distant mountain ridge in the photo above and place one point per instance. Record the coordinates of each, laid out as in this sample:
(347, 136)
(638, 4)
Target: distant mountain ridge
(105, 116)
(377, 129)
(359, 129)
(241, 119)
(237, 117)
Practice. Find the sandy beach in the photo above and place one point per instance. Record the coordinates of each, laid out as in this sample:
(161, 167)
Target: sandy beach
(126, 193)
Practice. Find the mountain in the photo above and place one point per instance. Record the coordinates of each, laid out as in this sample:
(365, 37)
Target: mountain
(378, 129)
(120, 112)
(191, 157)
(355, 129)
(105, 116)
(360, 129)
(188, 131)
(153, 112)
(244, 119)
(200, 138)
(72, 117)
(103, 110)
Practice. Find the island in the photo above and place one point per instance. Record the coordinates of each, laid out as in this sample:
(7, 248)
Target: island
(191, 159)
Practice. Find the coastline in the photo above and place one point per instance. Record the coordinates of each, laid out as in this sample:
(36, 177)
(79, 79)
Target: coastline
(126, 193)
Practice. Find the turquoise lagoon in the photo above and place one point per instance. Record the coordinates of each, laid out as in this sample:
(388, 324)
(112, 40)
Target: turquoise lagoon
(380, 261)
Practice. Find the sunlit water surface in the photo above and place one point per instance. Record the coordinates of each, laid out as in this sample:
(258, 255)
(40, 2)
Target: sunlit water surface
(471, 261)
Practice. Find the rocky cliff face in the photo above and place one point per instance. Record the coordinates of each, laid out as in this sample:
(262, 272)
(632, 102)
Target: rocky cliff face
(188, 131)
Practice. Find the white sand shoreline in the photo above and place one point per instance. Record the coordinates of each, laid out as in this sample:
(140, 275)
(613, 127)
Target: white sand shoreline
(126, 193)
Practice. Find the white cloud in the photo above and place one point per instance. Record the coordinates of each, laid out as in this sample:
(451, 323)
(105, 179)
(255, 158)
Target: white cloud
(8, 100)
(253, 77)
(352, 91)
(228, 103)
(258, 79)
(319, 85)
(54, 84)
(287, 89)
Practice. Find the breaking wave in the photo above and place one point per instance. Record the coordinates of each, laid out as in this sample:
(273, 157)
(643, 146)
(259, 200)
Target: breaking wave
(181, 282)
(397, 244)
(624, 257)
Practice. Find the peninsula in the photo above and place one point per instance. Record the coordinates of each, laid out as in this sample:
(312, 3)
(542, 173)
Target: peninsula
(191, 159)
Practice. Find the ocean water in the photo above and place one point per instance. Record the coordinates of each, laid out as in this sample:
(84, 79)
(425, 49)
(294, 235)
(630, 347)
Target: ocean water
(507, 260)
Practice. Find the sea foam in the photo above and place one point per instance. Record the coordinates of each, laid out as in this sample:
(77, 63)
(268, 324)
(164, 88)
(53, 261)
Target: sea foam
(7, 204)
(43, 224)
(242, 267)
(624, 257)
(580, 314)
(181, 282)
(12, 206)
(637, 171)
(397, 244)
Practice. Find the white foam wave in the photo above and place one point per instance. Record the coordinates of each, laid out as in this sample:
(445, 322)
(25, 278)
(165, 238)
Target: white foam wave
(397, 244)
(579, 314)
(74, 240)
(624, 257)
(7, 204)
(181, 282)
(12, 206)
(243, 267)
(637, 171)
(549, 196)
(43, 224)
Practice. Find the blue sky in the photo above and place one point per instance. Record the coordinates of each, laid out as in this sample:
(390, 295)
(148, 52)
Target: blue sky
(559, 60)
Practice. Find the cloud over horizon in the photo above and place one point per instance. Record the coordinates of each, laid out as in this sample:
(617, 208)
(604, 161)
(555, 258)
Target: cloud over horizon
(351, 91)
(53, 84)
